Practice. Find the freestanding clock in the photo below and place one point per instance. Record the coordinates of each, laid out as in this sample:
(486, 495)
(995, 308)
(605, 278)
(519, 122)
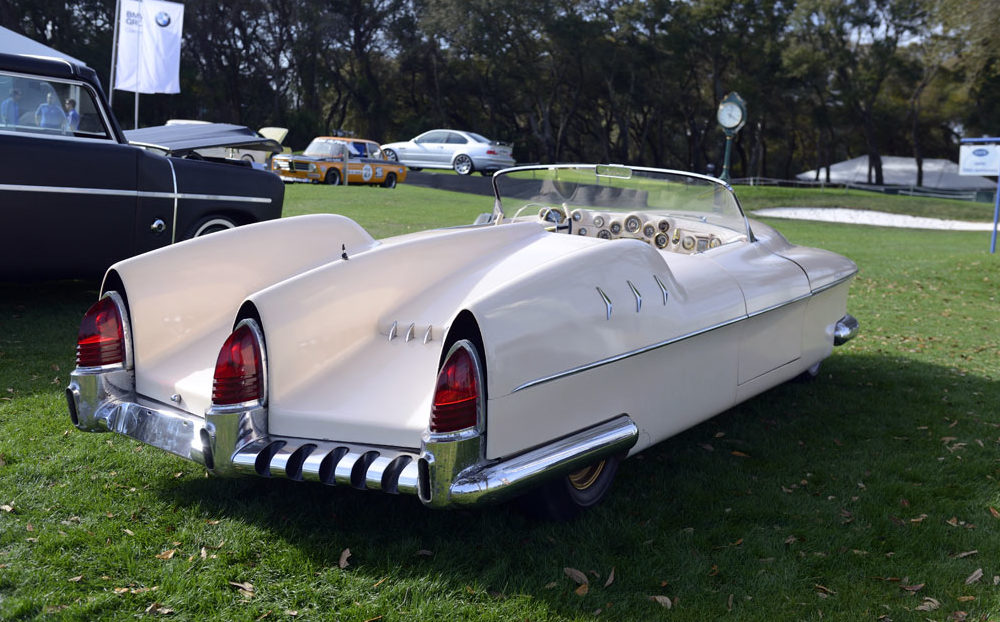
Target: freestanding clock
(732, 115)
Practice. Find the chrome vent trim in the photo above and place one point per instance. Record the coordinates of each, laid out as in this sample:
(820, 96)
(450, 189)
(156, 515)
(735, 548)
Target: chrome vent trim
(663, 288)
(363, 467)
(638, 296)
(392, 331)
(607, 301)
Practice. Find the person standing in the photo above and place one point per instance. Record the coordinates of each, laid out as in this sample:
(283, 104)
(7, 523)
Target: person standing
(49, 114)
(10, 109)
(72, 116)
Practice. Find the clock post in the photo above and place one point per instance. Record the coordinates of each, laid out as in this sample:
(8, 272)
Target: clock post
(732, 115)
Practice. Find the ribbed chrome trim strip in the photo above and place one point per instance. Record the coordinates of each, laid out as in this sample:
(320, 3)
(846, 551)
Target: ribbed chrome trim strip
(112, 192)
(662, 344)
(392, 331)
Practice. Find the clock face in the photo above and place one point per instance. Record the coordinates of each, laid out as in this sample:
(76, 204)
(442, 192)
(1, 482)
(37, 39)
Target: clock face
(730, 115)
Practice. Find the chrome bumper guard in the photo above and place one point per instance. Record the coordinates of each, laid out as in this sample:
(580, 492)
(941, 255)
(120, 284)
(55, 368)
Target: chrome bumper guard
(449, 471)
(845, 329)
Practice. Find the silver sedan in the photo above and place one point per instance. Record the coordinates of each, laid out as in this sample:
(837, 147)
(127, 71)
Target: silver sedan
(464, 152)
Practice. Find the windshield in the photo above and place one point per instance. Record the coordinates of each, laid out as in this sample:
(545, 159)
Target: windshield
(675, 211)
(324, 147)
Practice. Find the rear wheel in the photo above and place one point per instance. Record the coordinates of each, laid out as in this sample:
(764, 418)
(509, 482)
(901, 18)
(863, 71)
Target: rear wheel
(568, 496)
(390, 155)
(332, 177)
(462, 164)
(390, 181)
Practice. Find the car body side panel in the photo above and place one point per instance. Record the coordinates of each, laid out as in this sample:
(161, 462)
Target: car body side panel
(67, 221)
(572, 358)
(177, 331)
(209, 189)
(383, 314)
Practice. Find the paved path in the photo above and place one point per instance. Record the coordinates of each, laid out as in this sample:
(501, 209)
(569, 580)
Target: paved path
(476, 184)
(866, 217)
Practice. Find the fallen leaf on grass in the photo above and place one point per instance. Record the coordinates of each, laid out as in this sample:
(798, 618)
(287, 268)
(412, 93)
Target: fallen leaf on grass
(576, 575)
(611, 578)
(918, 519)
(739, 454)
(344, 556)
(663, 600)
(168, 554)
(963, 555)
(822, 589)
(975, 576)
(550, 585)
(929, 604)
(913, 588)
(582, 590)
(76, 579)
(7, 508)
(129, 532)
(245, 588)
(965, 599)
(994, 512)
(424, 553)
(159, 609)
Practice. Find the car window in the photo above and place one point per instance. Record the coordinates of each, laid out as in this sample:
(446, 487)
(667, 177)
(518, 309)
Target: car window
(356, 149)
(479, 138)
(373, 150)
(456, 139)
(432, 137)
(50, 107)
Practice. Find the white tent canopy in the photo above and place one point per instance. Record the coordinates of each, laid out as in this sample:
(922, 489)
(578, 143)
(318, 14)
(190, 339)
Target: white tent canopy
(14, 43)
(897, 171)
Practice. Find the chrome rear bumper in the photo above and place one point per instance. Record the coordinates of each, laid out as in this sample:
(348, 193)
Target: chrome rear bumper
(445, 472)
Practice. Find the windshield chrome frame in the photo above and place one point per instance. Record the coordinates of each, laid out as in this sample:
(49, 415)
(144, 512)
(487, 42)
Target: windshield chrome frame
(498, 212)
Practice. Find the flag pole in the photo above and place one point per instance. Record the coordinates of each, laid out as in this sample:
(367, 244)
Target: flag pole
(114, 53)
(138, 67)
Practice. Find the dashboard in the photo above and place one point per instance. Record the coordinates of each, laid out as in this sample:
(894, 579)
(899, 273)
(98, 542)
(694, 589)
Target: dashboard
(680, 235)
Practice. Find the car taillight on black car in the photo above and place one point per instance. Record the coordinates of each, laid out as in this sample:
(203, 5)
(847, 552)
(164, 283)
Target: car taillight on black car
(101, 340)
(457, 393)
(239, 370)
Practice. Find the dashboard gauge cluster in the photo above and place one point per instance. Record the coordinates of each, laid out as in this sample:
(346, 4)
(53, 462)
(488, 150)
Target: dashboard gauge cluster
(655, 229)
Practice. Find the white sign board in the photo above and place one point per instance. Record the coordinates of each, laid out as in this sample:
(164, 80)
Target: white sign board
(149, 46)
(979, 159)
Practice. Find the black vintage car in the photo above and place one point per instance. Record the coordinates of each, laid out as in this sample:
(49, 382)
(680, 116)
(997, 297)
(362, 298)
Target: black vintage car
(76, 197)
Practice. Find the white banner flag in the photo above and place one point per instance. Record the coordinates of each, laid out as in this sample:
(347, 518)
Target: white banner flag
(149, 46)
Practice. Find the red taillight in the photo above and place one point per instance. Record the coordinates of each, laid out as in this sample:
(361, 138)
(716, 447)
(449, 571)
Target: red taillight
(456, 398)
(491, 152)
(101, 340)
(239, 370)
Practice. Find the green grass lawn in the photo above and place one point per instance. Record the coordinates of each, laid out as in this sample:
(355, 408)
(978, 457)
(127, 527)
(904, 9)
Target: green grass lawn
(870, 493)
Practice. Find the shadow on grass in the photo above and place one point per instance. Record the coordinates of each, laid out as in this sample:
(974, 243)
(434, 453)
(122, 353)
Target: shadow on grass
(840, 463)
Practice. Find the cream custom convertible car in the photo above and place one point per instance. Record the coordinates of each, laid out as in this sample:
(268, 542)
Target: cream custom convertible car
(598, 310)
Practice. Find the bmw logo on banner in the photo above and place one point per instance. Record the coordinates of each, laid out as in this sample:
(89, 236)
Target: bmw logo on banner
(162, 19)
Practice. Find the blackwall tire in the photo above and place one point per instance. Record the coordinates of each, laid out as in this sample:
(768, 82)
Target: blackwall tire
(566, 497)
(211, 224)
